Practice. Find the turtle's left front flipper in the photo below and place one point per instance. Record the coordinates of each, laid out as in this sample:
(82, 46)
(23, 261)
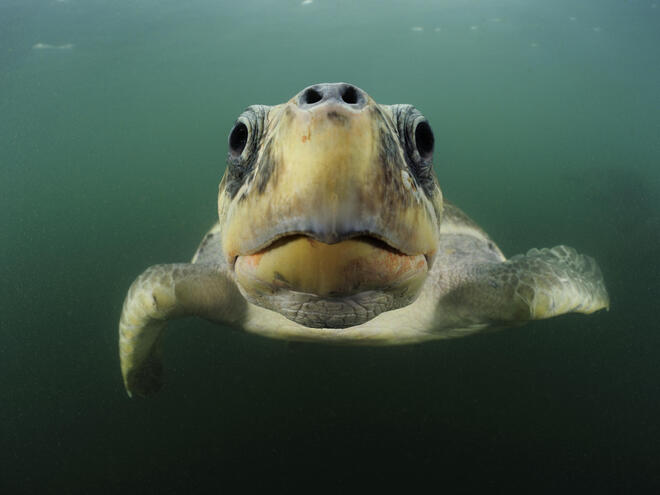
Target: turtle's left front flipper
(540, 284)
(165, 292)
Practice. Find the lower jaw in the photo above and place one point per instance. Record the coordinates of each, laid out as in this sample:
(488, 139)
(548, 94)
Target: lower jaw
(310, 310)
(356, 265)
(330, 286)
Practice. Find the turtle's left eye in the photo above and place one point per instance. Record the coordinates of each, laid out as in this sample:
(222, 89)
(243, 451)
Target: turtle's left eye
(416, 136)
(424, 140)
(417, 141)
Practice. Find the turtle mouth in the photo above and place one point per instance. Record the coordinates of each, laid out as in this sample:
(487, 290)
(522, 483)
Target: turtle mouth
(307, 263)
(328, 239)
(370, 239)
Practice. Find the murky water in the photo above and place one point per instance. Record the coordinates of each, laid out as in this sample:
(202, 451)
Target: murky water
(114, 118)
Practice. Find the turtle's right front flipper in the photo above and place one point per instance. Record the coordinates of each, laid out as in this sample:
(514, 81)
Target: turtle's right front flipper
(540, 284)
(161, 293)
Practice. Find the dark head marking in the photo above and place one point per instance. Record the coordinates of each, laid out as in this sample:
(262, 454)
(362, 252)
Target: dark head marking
(337, 117)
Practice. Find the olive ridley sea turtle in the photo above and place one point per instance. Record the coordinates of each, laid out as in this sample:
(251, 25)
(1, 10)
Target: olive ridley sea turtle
(332, 227)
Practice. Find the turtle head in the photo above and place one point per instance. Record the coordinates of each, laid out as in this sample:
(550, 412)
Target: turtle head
(329, 209)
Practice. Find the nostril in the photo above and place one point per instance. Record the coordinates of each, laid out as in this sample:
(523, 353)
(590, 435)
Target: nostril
(310, 96)
(349, 95)
(343, 94)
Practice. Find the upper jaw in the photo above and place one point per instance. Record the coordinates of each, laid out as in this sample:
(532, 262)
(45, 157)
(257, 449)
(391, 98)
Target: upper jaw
(330, 231)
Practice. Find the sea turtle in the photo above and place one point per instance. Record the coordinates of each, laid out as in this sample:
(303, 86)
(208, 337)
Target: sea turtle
(333, 228)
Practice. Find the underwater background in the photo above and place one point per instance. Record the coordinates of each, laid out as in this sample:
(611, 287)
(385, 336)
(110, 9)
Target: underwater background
(114, 117)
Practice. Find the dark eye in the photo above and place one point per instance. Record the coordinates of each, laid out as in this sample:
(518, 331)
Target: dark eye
(424, 140)
(238, 139)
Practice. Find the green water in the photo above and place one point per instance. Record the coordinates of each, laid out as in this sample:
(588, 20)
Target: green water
(547, 123)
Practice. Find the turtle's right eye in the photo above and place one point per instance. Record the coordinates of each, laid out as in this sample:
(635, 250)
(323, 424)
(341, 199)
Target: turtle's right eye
(244, 139)
(238, 139)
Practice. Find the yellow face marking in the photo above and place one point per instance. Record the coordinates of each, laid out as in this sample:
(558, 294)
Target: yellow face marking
(328, 172)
